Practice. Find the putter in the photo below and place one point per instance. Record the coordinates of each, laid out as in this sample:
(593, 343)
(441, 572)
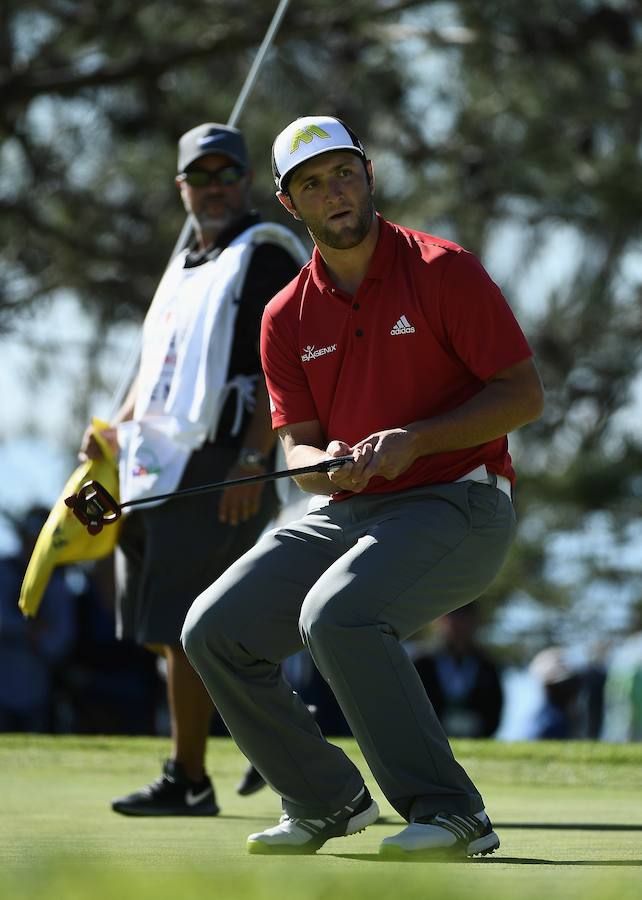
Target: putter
(95, 507)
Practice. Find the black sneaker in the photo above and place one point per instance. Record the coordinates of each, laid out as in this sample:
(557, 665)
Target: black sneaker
(446, 834)
(251, 782)
(302, 836)
(173, 794)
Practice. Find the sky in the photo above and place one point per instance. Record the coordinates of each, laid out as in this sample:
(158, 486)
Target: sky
(38, 436)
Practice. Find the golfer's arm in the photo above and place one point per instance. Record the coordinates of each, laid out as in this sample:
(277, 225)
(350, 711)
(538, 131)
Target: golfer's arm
(510, 399)
(304, 445)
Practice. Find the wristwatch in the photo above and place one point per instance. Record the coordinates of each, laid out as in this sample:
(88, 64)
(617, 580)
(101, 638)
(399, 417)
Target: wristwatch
(249, 458)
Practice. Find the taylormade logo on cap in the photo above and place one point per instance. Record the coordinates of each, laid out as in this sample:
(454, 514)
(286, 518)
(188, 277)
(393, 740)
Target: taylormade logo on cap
(308, 137)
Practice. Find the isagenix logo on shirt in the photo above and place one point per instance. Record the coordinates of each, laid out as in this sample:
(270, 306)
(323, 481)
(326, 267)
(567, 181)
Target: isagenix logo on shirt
(310, 352)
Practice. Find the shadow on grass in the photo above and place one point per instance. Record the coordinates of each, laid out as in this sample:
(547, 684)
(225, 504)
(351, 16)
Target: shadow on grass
(522, 861)
(487, 860)
(570, 826)
(543, 826)
(229, 817)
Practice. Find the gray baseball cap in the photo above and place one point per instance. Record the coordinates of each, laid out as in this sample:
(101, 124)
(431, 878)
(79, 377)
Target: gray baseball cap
(212, 138)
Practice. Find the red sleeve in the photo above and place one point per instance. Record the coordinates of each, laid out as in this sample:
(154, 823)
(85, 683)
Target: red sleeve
(480, 326)
(290, 397)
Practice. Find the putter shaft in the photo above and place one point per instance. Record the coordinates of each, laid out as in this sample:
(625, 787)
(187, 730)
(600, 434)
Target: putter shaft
(325, 466)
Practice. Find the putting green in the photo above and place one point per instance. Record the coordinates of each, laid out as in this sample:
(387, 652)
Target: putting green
(569, 817)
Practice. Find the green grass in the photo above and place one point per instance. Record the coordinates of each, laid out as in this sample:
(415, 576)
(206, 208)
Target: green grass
(569, 817)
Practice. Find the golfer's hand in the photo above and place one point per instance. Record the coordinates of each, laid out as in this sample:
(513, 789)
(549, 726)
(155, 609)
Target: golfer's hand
(90, 448)
(387, 453)
(350, 476)
(238, 504)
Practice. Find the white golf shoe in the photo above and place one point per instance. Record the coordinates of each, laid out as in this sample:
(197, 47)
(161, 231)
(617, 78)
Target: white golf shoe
(445, 835)
(301, 836)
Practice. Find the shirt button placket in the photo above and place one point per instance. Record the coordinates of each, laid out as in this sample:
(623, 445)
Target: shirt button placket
(359, 331)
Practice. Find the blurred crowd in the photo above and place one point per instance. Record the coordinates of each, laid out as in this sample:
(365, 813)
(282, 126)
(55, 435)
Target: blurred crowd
(65, 672)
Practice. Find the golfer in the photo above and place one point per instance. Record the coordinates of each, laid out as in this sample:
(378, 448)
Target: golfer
(396, 347)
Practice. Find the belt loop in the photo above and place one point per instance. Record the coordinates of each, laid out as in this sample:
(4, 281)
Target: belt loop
(492, 479)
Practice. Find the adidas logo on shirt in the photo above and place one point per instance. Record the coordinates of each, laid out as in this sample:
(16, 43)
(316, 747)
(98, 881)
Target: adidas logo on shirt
(403, 326)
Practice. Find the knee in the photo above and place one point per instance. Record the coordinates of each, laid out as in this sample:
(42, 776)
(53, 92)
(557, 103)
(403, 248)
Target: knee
(193, 633)
(335, 621)
(201, 630)
(317, 622)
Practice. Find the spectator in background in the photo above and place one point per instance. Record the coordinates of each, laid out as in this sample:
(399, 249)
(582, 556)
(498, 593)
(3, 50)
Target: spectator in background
(316, 693)
(32, 649)
(558, 717)
(592, 695)
(461, 680)
(623, 688)
(109, 686)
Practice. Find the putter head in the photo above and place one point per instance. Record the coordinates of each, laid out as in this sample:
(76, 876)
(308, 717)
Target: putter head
(94, 506)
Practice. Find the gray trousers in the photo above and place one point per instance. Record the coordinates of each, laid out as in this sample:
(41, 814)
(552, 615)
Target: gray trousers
(351, 581)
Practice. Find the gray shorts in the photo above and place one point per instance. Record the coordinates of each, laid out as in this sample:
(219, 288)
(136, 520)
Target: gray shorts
(169, 554)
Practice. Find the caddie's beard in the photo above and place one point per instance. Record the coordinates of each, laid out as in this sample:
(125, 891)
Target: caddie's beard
(209, 224)
(344, 237)
(210, 219)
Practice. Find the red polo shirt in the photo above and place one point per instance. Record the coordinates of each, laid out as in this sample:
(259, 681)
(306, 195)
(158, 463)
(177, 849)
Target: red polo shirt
(423, 333)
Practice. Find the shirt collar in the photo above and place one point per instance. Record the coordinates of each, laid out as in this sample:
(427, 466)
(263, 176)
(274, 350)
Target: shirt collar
(380, 264)
(196, 257)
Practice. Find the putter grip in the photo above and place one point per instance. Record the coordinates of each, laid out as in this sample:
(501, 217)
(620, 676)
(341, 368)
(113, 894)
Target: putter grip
(336, 463)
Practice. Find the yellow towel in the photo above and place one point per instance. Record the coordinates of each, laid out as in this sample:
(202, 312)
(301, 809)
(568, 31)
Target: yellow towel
(63, 539)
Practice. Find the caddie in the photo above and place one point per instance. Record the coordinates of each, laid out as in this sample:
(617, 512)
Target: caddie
(197, 412)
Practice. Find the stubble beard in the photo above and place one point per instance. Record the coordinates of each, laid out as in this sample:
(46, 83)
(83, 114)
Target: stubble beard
(344, 237)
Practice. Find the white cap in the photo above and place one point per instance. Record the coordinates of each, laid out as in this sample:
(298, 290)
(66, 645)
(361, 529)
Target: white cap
(307, 137)
(551, 666)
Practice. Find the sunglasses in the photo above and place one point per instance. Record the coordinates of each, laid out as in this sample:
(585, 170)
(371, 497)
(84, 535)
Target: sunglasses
(225, 176)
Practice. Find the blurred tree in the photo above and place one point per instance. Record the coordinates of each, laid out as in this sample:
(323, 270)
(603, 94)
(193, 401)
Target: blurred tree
(512, 128)
(547, 135)
(93, 98)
